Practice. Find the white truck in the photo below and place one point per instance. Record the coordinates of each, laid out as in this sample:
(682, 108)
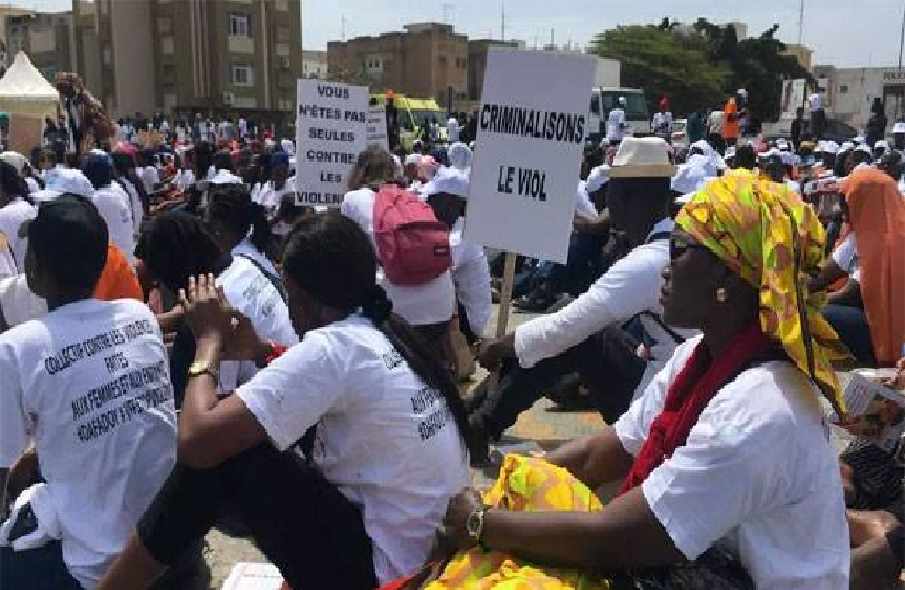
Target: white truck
(605, 96)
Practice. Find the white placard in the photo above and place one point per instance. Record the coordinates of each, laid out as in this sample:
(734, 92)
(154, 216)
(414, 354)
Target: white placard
(377, 126)
(331, 129)
(792, 98)
(532, 127)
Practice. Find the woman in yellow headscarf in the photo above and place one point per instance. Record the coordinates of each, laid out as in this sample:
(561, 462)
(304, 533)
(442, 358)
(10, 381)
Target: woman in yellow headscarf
(727, 446)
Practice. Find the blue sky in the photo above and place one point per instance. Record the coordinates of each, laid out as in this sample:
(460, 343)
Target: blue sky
(871, 28)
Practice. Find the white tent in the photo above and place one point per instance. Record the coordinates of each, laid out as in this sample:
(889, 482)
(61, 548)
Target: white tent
(24, 91)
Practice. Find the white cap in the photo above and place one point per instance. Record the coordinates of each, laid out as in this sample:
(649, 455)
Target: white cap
(14, 159)
(460, 156)
(830, 147)
(447, 180)
(730, 152)
(846, 146)
(690, 177)
(288, 146)
(597, 178)
(70, 180)
(864, 148)
(858, 140)
(783, 145)
(622, 100)
(882, 144)
(899, 127)
(413, 160)
(225, 177)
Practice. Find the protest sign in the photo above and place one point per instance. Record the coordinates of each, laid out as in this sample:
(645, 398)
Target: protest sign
(532, 126)
(331, 132)
(874, 411)
(377, 126)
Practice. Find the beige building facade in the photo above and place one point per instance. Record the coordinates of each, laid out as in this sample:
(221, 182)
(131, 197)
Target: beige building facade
(180, 56)
(43, 36)
(426, 60)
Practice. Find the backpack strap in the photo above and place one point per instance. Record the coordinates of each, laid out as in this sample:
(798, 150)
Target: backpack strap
(277, 284)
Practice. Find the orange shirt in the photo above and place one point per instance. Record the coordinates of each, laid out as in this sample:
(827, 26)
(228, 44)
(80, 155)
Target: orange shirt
(118, 280)
(731, 128)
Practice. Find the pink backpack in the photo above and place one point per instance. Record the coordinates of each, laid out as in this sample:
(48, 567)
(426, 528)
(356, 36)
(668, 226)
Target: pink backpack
(413, 247)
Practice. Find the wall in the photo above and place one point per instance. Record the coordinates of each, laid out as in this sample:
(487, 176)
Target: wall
(133, 61)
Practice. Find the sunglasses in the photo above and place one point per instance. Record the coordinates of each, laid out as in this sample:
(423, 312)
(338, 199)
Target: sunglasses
(679, 245)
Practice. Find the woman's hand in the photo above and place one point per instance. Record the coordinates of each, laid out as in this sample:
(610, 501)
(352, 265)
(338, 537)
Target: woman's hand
(898, 380)
(243, 344)
(454, 532)
(206, 309)
(493, 352)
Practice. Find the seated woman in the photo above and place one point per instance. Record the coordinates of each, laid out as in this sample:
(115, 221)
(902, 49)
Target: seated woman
(241, 227)
(868, 313)
(389, 452)
(727, 446)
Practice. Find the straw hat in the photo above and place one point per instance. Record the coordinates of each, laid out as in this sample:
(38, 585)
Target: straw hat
(642, 157)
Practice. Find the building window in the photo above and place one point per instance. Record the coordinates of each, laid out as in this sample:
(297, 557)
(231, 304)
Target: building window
(461, 62)
(843, 89)
(240, 25)
(283, 5)
(283, 33)
(461, 96)
(167, 46)
(164, 25)
(442, 61)
(168, 72)
(242, 76)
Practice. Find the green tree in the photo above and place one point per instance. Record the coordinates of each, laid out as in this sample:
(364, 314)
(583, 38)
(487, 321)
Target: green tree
(661, 62)
(702, 65)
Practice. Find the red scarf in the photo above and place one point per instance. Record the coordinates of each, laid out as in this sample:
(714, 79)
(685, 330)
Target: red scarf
(689, 394)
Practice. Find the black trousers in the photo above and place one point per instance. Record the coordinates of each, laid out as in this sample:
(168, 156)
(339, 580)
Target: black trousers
(606, 363)
(299, 520)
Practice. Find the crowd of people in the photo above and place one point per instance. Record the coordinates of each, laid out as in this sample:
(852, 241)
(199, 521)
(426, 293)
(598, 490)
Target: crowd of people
(314, 358)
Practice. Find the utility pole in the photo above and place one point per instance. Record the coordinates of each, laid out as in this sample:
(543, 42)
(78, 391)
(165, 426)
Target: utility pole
(502, 20)
(342, 24)
(448, 8)
(801, 22)
(899, 72)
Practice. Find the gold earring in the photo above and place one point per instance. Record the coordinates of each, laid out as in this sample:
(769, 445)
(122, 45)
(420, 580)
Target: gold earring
(722, 295)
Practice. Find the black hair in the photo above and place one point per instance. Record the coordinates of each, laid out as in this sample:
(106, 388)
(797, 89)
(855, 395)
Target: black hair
(233, 208)
(862, 157)
(122, 163)
(74, 269)
(745, 157)
(99, 173)
(375, 166)
(224, 161)
(11, 183)
(316, 247)
(203, 158)
(177, 246)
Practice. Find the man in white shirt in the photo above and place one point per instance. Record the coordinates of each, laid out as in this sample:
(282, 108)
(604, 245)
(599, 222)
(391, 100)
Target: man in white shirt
(818, 116)
(662, 121)
(112, 202)
(586, 336)
(715, 129)
(452, 130)
(615, 123)
(89, 384)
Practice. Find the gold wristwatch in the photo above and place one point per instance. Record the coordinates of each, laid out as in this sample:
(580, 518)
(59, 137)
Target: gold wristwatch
(202, 367)
(475, 526)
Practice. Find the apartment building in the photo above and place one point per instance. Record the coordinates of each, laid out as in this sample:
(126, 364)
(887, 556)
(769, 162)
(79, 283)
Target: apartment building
(426, 60)
(477, 63)
(185, 56)
(44, 36)
(314, 64)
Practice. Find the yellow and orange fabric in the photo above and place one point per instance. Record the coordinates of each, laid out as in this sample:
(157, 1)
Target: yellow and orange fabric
(773, 240)
(525, 484)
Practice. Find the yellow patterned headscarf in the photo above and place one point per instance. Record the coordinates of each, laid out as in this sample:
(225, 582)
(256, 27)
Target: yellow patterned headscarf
(767, 235)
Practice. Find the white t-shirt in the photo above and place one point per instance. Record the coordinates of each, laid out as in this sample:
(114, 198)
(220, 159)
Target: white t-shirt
(150, 177)
(90, 382)
(715, 122)
(615, 124)
(18, 303)
(757, 473)
(112, 203)
(11, 219)
(421, 305)
(249, 291)
(846, 256)
(471, 275)
(33, 185)
(135, 204)
(452, 130)
(269, 197)
(184, 179)
(182, 133)
(384, 439)
(816, 101)
(246, 249)
(662, 122)
(630, 287)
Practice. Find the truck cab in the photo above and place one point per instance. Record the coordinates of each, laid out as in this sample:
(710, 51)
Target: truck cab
(413, 115)
(604, 99)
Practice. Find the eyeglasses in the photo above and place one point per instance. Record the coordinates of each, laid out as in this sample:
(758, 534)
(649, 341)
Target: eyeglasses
(679, 244)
